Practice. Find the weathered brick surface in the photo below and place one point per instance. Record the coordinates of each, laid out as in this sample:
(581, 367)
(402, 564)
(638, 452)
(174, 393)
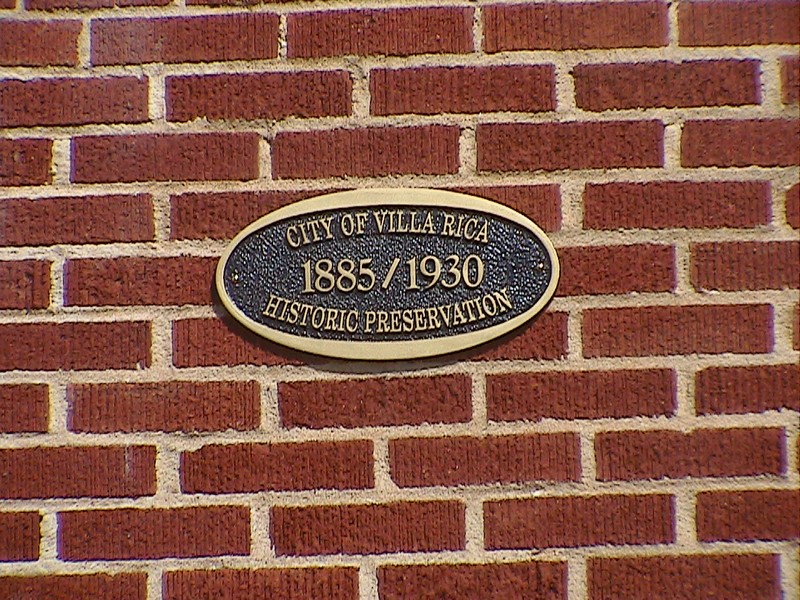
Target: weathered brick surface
(731, 266)
(73, 101)
(540, 203)
(394, 32)
(236, 468)
(580, 395)
(120, 586)
(25, 161)
(419, 462)
(259, 95)
(790, 79)
(631, 455)
(368, 528)
(667, 84)
(75, 346)
(569, 145)
(77, 220)
(132, 534)
(39, 43)
(546, 580)
(673, 204)
(208, 38)
(366, 152)
(578, 521)
(741, 390)
(89, 4)
(212, 342)
(19, 537)
(435, 90)
(664, 330)
(159, 157)
(339, 583)
(24, 408)
(683, 577)
(544, 339)
(24, 283)
(616, 269)
(748, 515)
(372, 402)
(164, 406)
(741, 143)
(738, 23)
(567, 26)
(793, 206)
(131, 281)
(74, 472)
(221, 215)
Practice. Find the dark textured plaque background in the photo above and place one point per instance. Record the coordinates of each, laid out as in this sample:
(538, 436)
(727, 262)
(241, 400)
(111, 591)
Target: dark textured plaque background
(263, 263)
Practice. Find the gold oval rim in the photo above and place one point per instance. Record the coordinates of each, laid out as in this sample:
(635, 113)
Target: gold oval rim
(398, 349)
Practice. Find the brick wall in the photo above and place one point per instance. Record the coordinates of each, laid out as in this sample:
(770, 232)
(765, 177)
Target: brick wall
(638, 440)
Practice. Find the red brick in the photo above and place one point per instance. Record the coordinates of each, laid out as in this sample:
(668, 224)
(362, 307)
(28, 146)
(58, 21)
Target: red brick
(420, 462)
(75, 346)
(739, 23)
(73, 101)
(77, 220)
(667, 84)
(25, 161)
(793, 206)
(741, 390)
(616, 269)
(435, 90)
(733, 266)
(19, 537)
(259, 95)
(741, 143)
(164, 406)
(395, 32)
(790, 79)
(632, 455)
(217, 342)
(665, 330)
(39, 43)
(207, 38)
(375, 402)
(368, 528)
(8, 4)
(563, 26)
(570, 145)
(337, 583)
(24, 283)
(120, 586)
(580, 395)
(540, 203)
(131, 281)
(367, 152)
(748, 515)
(546, 580)
(676, 204)
(164, 157)
(89, 4)
(578, 521)
(796, 337)
(79, 471)
(24, 408)
(243, 468)
(685, 577)
(131, 534)
(221, 215)
(545, 338)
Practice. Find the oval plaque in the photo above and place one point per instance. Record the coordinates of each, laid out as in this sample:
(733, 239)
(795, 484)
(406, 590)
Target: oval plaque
(387, 274)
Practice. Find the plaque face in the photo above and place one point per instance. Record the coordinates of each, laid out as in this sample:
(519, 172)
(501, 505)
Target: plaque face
(387, 274)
